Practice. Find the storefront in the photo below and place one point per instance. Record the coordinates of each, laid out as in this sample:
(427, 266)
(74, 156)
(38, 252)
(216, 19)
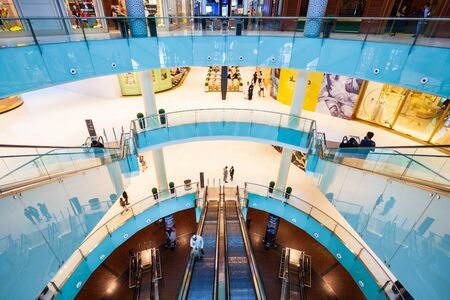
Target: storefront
(163, 80)
(407, 112)
(416, 114)
(8, 10)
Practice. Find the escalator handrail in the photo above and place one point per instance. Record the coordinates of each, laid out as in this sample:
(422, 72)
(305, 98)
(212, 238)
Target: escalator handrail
(187, 276)
(227, 271)
(257, 281)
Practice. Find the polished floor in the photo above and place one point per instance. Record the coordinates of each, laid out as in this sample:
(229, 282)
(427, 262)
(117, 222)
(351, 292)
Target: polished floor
(110, 280)
(329, 279)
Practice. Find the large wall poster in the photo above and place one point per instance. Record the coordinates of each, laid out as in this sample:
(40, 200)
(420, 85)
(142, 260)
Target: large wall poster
(338, 95)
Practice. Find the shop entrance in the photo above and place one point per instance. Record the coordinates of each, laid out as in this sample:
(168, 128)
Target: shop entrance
(416, 114)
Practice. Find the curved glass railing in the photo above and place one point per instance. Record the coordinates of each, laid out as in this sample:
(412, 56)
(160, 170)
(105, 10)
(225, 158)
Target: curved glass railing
(107, 228)
(410, 31)
(24, 165)
(425, 165)
(347, 236)
(248, 118)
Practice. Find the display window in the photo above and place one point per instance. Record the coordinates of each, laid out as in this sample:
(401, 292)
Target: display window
(86, 10)
(420, 115)
(8, 10)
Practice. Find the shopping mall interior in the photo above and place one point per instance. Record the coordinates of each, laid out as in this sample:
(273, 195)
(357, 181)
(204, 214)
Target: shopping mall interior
(244, 149)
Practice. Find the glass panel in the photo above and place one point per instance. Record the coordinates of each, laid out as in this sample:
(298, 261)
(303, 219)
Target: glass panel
(420, 114)
(381, 103)
(426, 251)
(442, 135)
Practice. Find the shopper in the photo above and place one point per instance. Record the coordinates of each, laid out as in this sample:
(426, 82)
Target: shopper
(143, 163)
(44, 211)
(125, 197)
(245, 90)
(231, 173)
(197, 245)
(351, 143)
(123, 205)
(255, 77)
(261, 88)
(250, 92)
(225, 174)
(425, 13)
(367, 141)
(368, 144)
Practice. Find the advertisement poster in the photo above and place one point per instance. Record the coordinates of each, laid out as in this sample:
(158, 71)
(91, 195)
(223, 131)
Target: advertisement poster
(271, 230)
(286, 87)
(171, 231)
(338, 95)
(129, 84)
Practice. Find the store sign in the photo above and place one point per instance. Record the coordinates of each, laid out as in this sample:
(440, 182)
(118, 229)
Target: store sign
(90, 127)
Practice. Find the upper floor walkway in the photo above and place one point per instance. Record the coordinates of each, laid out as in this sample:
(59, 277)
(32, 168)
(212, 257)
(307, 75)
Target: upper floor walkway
(51, 51)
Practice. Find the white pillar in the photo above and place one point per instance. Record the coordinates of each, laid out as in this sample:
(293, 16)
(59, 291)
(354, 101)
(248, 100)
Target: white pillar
(148, 97)
(298, 99)
(148, 94)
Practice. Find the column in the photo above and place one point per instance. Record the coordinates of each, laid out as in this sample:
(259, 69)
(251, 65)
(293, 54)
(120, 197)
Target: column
(148, 96)
(298, 98)
(135, 9)
(224, 82)
(316, 9)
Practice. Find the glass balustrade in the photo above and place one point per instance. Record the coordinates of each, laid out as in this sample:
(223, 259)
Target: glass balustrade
(21, 165)
(106, 229)
(339, 227)
(409, 31)
(427, 165)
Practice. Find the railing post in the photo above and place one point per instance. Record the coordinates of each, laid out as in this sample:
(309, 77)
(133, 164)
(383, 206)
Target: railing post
(82, 255)
(56, 287)
(33, 34)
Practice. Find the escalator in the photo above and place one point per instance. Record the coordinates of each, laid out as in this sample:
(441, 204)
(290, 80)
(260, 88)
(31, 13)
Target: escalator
(144, 273)
(242, 274)
(199, 277)
(295, 271)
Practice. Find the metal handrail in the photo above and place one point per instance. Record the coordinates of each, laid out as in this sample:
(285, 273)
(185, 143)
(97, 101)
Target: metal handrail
(230, 17)
(223, 109)
(187, 275)
(358, 239)
(256, 277)
(79, 251)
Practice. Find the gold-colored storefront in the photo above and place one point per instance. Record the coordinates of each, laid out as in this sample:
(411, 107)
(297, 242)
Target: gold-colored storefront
(416, 114)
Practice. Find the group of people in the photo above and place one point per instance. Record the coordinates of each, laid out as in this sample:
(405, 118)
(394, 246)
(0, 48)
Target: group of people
(226, 172)
(415, 12)
(32, 213)
(258, 82)
(367, 142)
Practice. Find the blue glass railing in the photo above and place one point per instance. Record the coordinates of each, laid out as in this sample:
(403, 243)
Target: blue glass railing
(43, 30)
(25, 165)
(335, 227)
(425, 165)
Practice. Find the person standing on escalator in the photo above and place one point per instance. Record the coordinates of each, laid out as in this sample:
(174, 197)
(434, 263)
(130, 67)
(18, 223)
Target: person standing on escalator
(197, 245)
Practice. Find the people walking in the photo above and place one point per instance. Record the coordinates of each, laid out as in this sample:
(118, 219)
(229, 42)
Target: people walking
(245, 90)
(255, 77)
(425, 13)
(261, 88)
(123, 205)
(125, 197)
(231, 173)
(250, 92)
(197, 245)
(44, 211)
(225, 174)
